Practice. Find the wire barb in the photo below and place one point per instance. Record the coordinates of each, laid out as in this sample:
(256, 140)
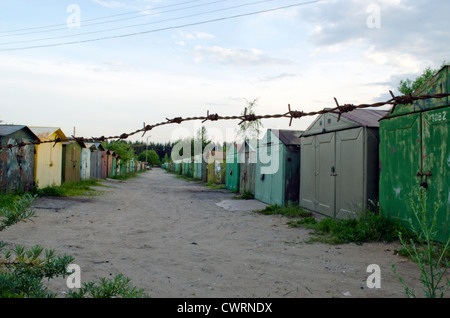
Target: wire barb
(177, 120)
(249, 117)
(344, 109)
(395, 100)
(211, 117)
(294, 114)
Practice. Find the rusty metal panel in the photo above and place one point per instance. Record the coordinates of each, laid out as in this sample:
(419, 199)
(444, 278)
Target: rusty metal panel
(247, 159)
(109, 154)
(104, 164)
(17, 164)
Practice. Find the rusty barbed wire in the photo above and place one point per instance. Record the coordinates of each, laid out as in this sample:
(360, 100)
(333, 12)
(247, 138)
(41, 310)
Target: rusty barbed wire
(291, 114)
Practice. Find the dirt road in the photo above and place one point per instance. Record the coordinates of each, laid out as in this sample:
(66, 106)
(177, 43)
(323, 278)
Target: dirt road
(179, 239)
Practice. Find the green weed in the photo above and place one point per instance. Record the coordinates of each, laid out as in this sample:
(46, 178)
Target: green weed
(288, 211)
(69, 189)
(372, 227)
(215, 186)
(128, 175)
(247, 195)
(431, 257)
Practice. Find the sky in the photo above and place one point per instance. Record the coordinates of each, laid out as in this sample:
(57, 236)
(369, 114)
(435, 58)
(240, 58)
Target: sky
(106, 67)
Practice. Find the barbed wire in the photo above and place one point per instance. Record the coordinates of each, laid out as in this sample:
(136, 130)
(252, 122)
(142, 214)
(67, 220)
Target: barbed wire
(291, 114)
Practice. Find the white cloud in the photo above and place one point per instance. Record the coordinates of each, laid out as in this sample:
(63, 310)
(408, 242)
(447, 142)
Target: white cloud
(398, 60)
(236, 57)
(196, 35)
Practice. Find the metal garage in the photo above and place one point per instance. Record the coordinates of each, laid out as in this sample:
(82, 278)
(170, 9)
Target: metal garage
(278, 167)
(414, 149)
(339, 163)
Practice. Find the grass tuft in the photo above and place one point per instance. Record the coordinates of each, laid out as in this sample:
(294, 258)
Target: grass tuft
(373, 227)
(69, 189)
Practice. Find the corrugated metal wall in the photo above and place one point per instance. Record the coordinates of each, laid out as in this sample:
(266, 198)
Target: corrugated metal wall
(17, 164)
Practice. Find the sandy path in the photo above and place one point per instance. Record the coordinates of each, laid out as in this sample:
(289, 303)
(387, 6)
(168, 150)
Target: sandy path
(172, 239)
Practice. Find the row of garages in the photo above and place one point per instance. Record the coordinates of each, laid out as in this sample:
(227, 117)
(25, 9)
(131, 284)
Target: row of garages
(54, 163)
(342, 167)
(331, 168)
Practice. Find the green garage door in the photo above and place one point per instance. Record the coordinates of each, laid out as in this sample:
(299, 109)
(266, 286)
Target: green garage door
(414, 150)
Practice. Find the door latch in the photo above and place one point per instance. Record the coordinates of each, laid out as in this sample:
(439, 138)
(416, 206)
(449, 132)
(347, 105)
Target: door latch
(424, 184)
(333, 172)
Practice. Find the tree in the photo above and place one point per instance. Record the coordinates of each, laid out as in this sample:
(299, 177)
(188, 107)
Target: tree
(149, 156)
(408, 86)
(121, 148)
(202, 136)
(250, 129)
(166, 159)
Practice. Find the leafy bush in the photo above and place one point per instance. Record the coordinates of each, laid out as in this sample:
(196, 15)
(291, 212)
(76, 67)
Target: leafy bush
(22, 270)
(119, 286)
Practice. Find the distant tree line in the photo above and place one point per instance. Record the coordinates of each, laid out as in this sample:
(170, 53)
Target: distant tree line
(161, 149)
(154, 153)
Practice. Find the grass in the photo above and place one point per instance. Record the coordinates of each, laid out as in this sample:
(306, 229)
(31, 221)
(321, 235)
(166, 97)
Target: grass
(69, 189)
(187, 178)
(373, 227)
(247, 195)
(7, 199)
(215, 186)
(127, 175)
(288, 211)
